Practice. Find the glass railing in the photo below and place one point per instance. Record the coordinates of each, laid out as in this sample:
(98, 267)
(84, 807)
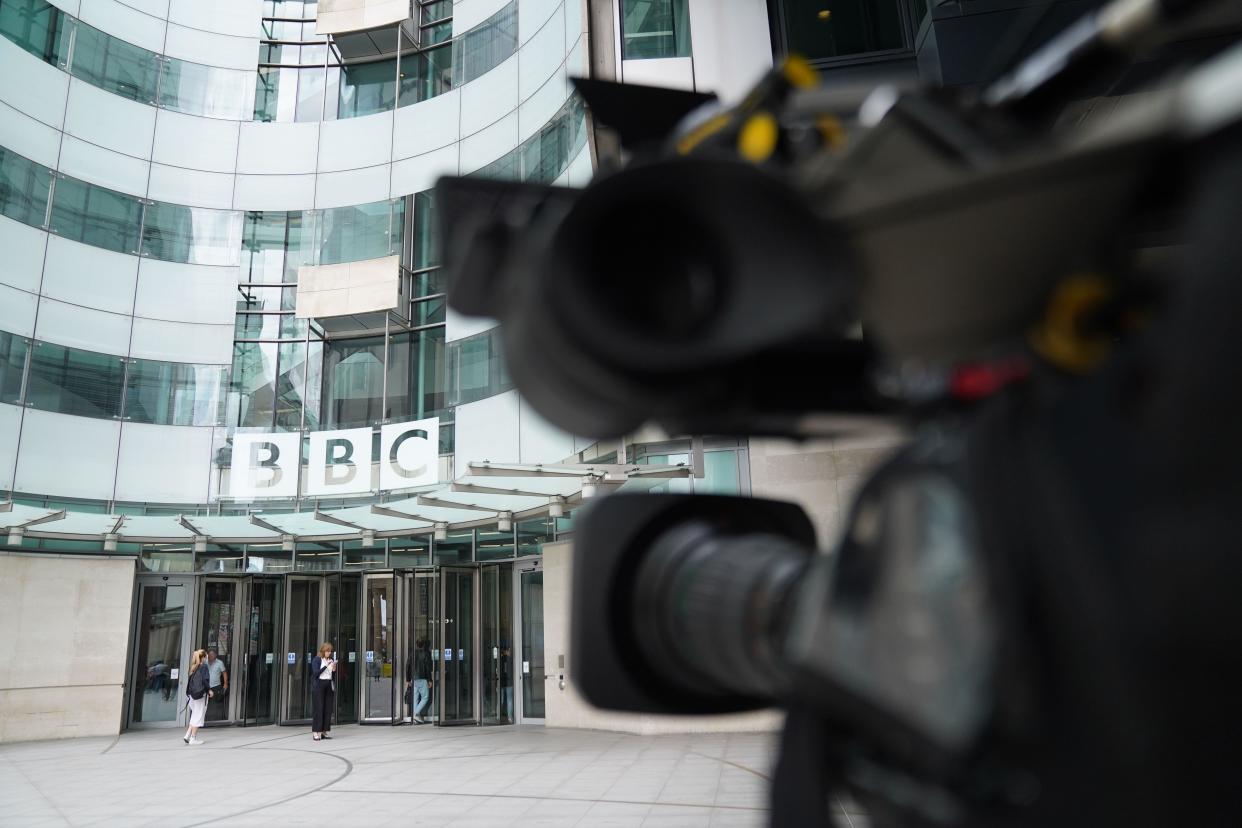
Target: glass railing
(294, 93)
(546, 154)
(56, 378)
(270, 244)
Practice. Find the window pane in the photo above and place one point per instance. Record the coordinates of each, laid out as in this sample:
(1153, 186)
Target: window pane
(412, 551)
(431, 384)
(399, 404)
(71, 381)
(96, 216)
(853, 27)
(252, 385)
(275, 94)
(172, 393)
(367, 88)
(365, 231)
(197, 235)
(656, 29)
(311, 85)
(426, 235)
(533, 534)
(294, 381)
(12, 363)
(480, 369)
(492, 544)
(720, 474)
(353, 382)
(437, 10)
(486, 46)
(205, 90)
(275, 245)
(426, 74)
(437, 33)
(37, 27)
(24, 188)
(114, 65)
(428, 312)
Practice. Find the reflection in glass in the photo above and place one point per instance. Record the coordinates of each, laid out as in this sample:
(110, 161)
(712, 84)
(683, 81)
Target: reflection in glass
(252, 385)
(656, 29)
(533, 534)
(173, 393)
(378, 652)
(72, 381)
(38, 28)
(363, 231)
(291, 385)
(12, 365)
(367, 88)
(24, 188)
(426, 239)
(275, 244)
(457, 686)
(96, 215)
(219, 631)
(303, 638)
(353, 382)
(426, 74)
(261, 652)
(496, 631)
(492, 544)
(457, 547)
(157, 656)
(196, 235)
(486, 46)
(114, 65)
(212, 91)
(414, 550)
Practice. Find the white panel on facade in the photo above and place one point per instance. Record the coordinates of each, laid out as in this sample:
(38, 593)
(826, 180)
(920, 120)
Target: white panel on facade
(192, 187)
(194, 142)
(182, 342)
(458, 326)
(77, 327)
(483, 148)
(351, 143)
(186, 293)
(17, 311)
(538, 440)
(489, 98)
(487, 430)
(26, 136)
(540, 59)
(413, 175)
(540, 108)
(580, 169)
(92, 163)
(340, 16)
(70, 6)
(155, 8)
(469, 13)
(242, 18)
(575, 22)
(109, 120)
(163, 464)
(728, 57)
(83, 275)
(533, 16)
(274, 192)
(673, 73)
(341, 189)
(273, 148)
(427, 125)
(349, 288)
(578, 64)
(31, 86)
(197, 46)
(10, 424)
(128, 24)
(21, 265)
(68, 456)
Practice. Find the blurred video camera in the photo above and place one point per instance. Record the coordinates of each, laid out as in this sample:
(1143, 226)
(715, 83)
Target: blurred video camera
(1032, 614)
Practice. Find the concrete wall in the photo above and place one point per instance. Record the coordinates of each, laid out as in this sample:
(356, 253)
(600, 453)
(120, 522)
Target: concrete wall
(820, 476)
(566, 708)
(64, 632)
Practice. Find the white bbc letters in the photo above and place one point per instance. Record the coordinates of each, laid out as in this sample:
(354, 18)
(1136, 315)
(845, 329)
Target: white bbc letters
(410, 454)
(265, 465)
(339, 462)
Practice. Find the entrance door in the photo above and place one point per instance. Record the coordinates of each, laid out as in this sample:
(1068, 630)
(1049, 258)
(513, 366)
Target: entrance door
(496, 633)
(458, 702)
(531, 673)
(302, 639)
(159, 646)
(220, 623)
(342, 631)
(422, 642)
(259, 655)
(380, 680)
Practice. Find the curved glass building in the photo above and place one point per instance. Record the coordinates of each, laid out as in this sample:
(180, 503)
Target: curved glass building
(234, 409)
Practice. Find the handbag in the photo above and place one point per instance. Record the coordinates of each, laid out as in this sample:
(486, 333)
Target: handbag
(409, 696)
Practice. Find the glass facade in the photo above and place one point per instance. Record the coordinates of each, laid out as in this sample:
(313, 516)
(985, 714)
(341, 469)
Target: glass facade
(25, 188)
(848, 28)
(173, 393)
(655, 29)
(546, 154)
(12, 367)
(73, 381)
(486, 46)
(195, 235)
(95, 215)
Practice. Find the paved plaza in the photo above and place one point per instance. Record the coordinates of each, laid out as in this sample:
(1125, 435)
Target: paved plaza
(494, 776)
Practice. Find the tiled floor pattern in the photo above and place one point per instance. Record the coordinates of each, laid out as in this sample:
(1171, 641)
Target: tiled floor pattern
(373, 776)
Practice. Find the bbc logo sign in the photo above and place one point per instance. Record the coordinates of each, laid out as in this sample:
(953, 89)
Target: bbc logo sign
(339, 462)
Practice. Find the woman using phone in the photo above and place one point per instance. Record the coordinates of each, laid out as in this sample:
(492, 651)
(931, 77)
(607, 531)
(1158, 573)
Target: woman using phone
(323, 691)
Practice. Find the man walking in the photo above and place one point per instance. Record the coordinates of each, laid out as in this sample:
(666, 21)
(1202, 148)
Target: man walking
(218, 707)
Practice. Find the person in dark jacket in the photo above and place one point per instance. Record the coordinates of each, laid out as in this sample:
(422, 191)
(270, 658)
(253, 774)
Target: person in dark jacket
(323, 691)
(418, 681)
(198, 684)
